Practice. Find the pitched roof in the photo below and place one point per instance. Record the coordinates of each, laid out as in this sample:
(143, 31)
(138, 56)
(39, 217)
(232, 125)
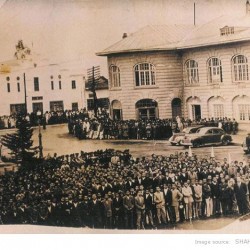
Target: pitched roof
(152, 37)
(209, 33)
(173, 37)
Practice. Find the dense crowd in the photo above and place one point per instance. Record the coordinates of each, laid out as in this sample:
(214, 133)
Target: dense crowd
(48, 118)
(111, 189)
(102, 127)
(85, 124)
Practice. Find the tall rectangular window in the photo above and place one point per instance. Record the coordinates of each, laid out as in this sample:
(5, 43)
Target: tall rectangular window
(52, 85)
(215, 70)
(36, 84)
(192, 72)
(8, 87)
(18, 87)
(144, 74)
(60, 85)
(74, 106)
(240, 68)
(244, 112)
(218, 110)
(73, 83)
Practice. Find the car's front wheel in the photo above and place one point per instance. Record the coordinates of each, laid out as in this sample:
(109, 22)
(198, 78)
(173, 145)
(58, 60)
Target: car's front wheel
(225, 142)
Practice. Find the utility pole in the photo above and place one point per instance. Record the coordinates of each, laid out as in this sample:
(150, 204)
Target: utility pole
(40, 141)
(194, 15)
(25, 94)
(93, 78)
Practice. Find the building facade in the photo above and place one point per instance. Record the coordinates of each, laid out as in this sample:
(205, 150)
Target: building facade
(195, 72)
(45, 88)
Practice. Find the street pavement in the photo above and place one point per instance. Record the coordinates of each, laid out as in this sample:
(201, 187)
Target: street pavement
(56, 139)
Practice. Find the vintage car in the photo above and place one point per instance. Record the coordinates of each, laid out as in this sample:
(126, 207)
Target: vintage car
(207, 136)
(246, 144)
(176, 138)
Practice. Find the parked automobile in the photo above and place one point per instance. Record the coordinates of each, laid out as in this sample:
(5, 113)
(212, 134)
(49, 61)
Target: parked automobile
(246, 144)
(176, 138)
(207, 136)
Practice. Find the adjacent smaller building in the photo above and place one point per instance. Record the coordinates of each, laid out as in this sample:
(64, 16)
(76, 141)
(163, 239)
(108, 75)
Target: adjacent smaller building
(25, 86)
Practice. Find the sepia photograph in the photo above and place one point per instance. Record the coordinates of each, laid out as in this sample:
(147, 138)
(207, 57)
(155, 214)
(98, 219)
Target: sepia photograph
(125, 117)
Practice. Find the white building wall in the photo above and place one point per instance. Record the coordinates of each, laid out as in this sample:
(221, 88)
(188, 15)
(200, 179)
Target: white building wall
(45, 93)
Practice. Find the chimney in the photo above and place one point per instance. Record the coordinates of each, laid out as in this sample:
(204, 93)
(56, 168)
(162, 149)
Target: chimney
(124, 35)
(247, 8)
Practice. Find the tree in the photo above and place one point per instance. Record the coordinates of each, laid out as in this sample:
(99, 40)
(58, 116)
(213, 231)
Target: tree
(20, 143)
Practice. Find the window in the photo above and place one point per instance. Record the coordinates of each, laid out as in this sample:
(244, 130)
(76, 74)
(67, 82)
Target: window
(8, 87)
(18, 87)
(56, 106)
(244, 112)
(214, 70)
(17, 108)
(74, 106)
(115, 76)
(218, 110)
(73, 84)
(60, 85)
(101, 102)
(52, 85)
(240, 68)
(144, 74)
(192, 72)
(36, 84)
(226, 31)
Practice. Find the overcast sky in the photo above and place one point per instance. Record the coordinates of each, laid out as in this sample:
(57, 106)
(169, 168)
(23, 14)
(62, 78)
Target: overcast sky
(73, 30)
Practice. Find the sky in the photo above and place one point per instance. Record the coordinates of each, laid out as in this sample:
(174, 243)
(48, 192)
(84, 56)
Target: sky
(70, 32)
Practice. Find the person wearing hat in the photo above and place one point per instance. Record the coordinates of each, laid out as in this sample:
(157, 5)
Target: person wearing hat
(128, 206)
(96, 212)
(117, 210)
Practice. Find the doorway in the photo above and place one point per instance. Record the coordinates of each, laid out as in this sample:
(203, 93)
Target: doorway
(37, 106)
(146, 109)
(196, 112)
(176, 107)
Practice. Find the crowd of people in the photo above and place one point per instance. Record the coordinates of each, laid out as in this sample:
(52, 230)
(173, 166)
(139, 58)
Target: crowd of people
(48, 118)
(85, 124)
(102, 127)
(112, 190)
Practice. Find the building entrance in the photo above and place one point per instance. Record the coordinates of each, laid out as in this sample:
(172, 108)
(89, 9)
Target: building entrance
(196, 112)
(146, 109)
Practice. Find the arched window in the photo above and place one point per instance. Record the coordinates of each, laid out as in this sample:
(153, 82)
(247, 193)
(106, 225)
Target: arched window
(192, 72)
(214, 70)
(144, 74)
(115, 76)
(240, 68)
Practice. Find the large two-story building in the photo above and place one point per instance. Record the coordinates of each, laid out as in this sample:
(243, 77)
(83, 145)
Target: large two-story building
(169, 70)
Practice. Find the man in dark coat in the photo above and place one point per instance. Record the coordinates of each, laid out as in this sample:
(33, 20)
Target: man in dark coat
(117, 210)
(240, 190)
(149, 206)
(96, 212)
